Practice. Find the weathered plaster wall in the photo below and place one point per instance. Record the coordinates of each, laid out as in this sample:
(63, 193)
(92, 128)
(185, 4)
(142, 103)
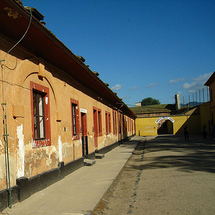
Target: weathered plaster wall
(26, 159)
(146, 126)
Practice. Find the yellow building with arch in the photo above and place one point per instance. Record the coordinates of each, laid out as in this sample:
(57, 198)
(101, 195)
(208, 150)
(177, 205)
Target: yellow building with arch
(166, 123)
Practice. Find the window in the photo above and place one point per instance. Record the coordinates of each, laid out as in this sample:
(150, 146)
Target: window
(97, 118)
(128, 124)
(108, 122)
(120, 123)
(40, 115)
(100, 122)
(114, 123)
(75, 119)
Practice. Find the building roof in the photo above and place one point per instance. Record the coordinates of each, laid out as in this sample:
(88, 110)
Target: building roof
(41, 43)
(210, 80)
(164, 108)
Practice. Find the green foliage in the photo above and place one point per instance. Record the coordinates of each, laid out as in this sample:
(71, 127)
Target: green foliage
(150, 101)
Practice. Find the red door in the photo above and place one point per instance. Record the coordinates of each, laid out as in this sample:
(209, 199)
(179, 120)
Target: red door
(84, 134)
(95, 122)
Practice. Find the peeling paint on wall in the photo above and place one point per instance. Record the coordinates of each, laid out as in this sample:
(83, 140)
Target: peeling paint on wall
(67, 152)
(2, 166)
(60, 149)
(2, 149)
(51, 156)
(21, 152)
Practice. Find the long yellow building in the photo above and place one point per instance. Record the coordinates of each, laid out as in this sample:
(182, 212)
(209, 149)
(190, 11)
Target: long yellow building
(55, 111)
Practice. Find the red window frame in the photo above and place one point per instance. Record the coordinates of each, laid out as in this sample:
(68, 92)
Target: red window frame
(75, 103)
(97, 115)
(114, 122)
(129, 124)
(120, 123)
(108, 122)
(100, 122)
(34, 87)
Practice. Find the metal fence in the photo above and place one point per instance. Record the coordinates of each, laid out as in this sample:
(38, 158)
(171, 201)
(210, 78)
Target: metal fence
(196, 98)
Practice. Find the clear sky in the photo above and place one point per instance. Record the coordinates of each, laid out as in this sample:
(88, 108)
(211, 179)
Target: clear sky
(142, 48)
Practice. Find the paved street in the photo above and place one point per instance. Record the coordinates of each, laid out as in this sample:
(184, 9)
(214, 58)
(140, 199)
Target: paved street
(165, 175)
(162, 175)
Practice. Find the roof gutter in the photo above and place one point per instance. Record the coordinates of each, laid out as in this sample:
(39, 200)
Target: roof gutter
(70, 59)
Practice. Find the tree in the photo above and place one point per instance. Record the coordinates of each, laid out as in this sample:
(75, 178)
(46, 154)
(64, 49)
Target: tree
(150, 101)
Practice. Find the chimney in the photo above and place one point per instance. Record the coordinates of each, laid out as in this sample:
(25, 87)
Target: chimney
(177, 102)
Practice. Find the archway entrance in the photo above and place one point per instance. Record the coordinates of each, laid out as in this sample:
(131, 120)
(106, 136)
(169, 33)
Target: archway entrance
(165, 125)
(166, 128)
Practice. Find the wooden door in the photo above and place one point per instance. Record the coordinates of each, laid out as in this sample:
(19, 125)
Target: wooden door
(84, 134)
(95, 128)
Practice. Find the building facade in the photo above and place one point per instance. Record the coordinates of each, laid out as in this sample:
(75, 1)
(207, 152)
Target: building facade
(54, 110)
(211, 84)
(155, 123)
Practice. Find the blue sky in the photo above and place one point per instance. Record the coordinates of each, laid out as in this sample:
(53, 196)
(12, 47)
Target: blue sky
(142, 48)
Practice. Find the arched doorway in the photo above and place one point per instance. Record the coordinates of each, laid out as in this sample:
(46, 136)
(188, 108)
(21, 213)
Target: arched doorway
(166, 128)
(165, 125)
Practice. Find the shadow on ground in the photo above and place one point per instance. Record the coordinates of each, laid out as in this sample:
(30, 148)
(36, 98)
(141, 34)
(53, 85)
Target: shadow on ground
(196, 154)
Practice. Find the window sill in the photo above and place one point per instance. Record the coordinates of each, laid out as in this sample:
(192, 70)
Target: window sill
(76, 137)
(41, 143)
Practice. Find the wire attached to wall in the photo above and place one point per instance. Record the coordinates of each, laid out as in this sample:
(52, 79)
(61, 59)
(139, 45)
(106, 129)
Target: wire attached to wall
(4, 104)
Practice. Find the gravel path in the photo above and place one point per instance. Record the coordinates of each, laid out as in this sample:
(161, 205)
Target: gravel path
(164, 175)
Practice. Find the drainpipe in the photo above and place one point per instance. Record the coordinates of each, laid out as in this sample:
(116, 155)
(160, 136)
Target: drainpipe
(5, 135)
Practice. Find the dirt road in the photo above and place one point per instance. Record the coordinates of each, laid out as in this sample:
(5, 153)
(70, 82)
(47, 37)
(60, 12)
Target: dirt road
(164, 175)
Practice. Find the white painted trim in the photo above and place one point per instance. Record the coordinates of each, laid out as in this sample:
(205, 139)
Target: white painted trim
(82, 110)
(165, 117)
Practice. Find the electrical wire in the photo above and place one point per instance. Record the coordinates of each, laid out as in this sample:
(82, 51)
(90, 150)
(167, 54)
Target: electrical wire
(21, 37)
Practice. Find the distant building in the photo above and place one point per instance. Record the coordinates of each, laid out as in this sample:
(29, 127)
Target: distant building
(165, 119)
(138, 104)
